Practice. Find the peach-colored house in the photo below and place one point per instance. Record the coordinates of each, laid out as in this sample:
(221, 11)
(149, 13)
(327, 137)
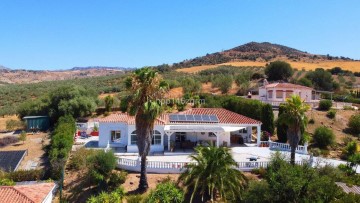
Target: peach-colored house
(276, 93)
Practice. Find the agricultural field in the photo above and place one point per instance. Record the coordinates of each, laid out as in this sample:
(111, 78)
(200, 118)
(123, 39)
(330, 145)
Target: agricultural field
(353, 66)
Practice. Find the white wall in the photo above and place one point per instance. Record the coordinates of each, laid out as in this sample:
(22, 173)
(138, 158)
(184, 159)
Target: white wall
(305, 94)
(197, 136)
(105, 134)
(153, 148)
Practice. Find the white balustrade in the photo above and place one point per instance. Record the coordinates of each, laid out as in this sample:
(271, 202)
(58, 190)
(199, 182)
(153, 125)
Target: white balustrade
(178, 167)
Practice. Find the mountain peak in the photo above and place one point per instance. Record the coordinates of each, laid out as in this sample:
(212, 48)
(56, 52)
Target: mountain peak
(252, 51)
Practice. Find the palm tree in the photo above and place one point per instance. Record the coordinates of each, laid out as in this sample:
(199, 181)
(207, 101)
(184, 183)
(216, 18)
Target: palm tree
(295, 119)
(213, 172)
(147, 88)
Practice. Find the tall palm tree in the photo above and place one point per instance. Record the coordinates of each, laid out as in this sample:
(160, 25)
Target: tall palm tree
(147, 88)
(213, 172)
(295, 119)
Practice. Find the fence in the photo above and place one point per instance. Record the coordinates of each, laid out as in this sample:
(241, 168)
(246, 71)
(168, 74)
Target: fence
(284, 147)
(179, 167)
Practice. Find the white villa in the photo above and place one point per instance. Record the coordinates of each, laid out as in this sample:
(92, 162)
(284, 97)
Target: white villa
(182, 130)
(277, 93)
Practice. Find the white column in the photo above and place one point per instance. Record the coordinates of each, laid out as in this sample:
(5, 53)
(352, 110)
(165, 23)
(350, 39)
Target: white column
(129, 138)
(258, 135)
(217, 139)
(168, 135)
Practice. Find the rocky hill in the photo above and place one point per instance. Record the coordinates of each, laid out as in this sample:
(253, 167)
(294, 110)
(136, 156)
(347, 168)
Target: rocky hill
(33, 76)
(257, 52)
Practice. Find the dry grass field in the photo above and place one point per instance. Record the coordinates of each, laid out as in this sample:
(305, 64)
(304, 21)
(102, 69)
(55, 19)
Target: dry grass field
(346, 65)
(6, 118)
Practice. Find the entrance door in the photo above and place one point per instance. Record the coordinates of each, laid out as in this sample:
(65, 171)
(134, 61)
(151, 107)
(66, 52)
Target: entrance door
(179, 138)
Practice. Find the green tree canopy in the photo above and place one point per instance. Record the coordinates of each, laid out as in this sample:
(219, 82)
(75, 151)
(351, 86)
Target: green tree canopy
(65, 100)
(214, 172)
(278, 70)
(191, 86)
(321, 79)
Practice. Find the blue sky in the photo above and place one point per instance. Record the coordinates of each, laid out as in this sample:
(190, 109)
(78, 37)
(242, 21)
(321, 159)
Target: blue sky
(36, 34)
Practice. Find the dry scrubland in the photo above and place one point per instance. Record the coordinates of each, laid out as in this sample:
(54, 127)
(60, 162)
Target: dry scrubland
(346, 65)
(6, 118)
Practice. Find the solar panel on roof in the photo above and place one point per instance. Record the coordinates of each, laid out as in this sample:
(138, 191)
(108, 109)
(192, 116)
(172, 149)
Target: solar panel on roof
(193, 118)
(173, 118)
(182, 117)
(197, 118)
(205, 117)
(214, 118)
(189, 117)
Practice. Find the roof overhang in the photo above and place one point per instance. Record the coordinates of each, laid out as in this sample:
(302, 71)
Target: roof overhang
(201, 128)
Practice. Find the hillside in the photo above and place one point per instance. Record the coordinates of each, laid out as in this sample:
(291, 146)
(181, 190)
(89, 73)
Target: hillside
(258, 54)
(32, 76)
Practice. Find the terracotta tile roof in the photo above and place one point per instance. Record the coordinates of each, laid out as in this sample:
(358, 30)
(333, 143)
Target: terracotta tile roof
(354, 189)
(285, 86)
(128, 119)
(34, 193)
(224, 116)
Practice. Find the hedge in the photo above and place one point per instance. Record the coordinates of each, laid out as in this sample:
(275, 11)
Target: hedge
(61, 142)
(251, 108)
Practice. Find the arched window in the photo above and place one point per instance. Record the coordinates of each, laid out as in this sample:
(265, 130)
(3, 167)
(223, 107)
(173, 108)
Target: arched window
(156, 140)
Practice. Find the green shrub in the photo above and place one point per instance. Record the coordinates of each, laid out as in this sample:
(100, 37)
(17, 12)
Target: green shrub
(166, 192)
(114, 197)
(350, 149)
(79, 158)
(117, 178)
(134, 198)
(325, 105)
(6, 182)
(348, 108)
(331, 114)
(259, 171)
(258, 192)
(350, 197)
(323, 137)
(354, 124)
(296, 183)
(102, 164)
(346, 140)
(23, 175)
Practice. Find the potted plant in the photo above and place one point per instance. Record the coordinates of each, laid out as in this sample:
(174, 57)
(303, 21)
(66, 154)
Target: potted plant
(95, 131)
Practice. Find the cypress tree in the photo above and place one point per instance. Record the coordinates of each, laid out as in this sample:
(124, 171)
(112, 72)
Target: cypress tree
(281, 128)
(267, 118)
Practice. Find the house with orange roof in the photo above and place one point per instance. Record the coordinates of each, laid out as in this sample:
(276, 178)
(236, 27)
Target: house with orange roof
(181, 131)
(28, 193)
(277, 93)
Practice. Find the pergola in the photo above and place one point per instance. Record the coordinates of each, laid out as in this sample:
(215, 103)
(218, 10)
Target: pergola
(217, 130)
